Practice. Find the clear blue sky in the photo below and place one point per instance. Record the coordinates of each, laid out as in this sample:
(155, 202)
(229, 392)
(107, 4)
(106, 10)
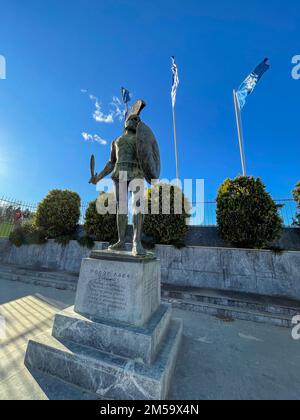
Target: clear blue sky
(56, 48)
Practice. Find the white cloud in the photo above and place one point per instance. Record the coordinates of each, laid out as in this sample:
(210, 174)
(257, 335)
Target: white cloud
(94, 138)
(119, 109)
(99, 140)
(116, 109)
(98, 115)
(87, 136)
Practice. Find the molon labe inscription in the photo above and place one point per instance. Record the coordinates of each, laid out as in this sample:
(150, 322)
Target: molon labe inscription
(118, 290)
(106, 290)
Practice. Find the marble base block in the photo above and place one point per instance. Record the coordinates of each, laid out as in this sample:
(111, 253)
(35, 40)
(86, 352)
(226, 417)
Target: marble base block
(118, 342)
(108, 376)
(137, 343)
(119, 287)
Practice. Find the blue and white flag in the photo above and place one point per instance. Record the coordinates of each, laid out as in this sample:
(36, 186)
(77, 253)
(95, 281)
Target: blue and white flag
(175, 82)
(248, 86)
(126, 96)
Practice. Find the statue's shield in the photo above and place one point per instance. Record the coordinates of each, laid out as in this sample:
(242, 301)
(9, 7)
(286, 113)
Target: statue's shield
(148, 152)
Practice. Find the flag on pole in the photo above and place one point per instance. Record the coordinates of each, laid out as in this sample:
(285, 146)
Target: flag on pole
(126, 96)
(175, 82)
(249, 84)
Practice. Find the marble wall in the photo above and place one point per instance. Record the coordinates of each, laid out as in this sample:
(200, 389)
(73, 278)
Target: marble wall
(252, 271)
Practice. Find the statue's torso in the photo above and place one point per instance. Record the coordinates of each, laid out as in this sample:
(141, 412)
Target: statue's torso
(126, 158)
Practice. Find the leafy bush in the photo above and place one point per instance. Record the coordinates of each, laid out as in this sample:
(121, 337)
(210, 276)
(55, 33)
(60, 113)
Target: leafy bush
(64, 240)
(296, 194)
(58, 214)
(168, 229)
(102, 227)
(86, 241)
(27, 234)
(246, 214)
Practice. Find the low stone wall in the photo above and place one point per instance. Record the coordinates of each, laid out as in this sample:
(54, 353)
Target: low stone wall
(252, 271)
(4, 246)
(208, 236)
(50, 255)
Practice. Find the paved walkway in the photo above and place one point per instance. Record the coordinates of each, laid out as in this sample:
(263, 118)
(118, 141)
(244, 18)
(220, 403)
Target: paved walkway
(218, 360)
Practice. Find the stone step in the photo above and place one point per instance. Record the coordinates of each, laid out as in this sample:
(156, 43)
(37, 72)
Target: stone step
(35, 385)
(32, 272)
(227, 313)
(45, 282)
(137, 343)
(109, 376)
(270, 305)
(33, 275)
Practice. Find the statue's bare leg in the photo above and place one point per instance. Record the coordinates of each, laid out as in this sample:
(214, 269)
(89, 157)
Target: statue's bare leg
(138, 219)
(138, 248)
(122, 222)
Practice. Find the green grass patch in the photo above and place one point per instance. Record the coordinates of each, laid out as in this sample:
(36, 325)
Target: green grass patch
(5, 229)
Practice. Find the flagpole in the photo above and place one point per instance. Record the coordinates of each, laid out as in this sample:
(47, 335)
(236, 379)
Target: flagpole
(240, 131)
(175, 142)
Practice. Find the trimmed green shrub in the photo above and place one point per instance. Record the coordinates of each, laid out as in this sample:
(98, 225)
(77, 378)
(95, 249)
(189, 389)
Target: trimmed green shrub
(100, 227)
(167, 229)
(247, 216)
(27, 234)
(296, 194)
(58, 214)
(64, 240)
(86, 241)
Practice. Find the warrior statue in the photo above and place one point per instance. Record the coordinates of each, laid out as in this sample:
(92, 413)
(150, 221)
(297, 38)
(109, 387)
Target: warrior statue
(135, 153)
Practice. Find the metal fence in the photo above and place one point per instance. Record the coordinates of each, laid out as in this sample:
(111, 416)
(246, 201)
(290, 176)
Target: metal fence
(207, 212)
(14, 212)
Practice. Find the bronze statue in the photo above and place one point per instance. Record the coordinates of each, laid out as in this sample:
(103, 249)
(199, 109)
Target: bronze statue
(136, 153)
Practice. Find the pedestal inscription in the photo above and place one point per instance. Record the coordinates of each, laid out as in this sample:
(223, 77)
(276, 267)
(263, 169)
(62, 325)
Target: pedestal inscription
(126, 291)
(107, 291)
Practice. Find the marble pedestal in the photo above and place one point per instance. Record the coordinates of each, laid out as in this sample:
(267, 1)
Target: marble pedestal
(123, 289)
(118, 341)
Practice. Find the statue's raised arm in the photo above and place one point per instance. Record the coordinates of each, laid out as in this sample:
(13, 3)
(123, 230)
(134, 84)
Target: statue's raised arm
(95, 178)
